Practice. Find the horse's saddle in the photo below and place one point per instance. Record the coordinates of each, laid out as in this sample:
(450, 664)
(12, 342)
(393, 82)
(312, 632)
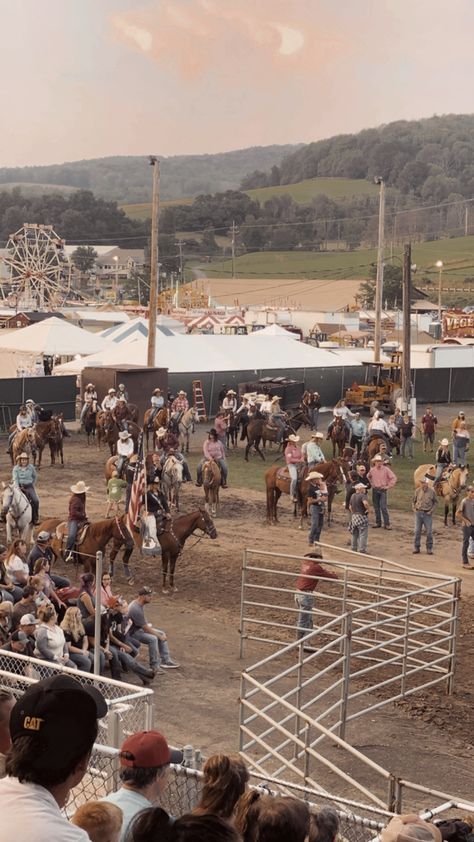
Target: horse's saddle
(62, 532)
(283, 473)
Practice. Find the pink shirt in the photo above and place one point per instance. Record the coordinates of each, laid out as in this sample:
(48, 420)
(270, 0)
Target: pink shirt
(221, 426)
(293, 454)
(381, 478)
(213, 450)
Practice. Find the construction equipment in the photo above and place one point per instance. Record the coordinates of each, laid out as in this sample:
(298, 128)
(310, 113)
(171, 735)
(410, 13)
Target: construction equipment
(198, 400)
(382, 385)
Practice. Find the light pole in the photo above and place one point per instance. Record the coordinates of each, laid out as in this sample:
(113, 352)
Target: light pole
(116, 277)
(379, 282)
(439, 266)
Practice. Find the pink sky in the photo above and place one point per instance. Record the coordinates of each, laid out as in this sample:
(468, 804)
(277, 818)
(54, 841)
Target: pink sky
(90, 78)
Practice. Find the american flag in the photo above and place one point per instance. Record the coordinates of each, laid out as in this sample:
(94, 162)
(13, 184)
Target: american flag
(138, 487)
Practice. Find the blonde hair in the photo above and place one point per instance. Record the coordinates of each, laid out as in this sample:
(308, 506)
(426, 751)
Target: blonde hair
(72, 623)
(98, 818)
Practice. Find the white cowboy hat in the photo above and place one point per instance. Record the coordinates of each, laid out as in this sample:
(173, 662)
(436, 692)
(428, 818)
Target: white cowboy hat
(275, 399)
(445, 442)
(90, 386)
(377, 458)
(293, 438)
(121, 386)
(79, 488)
(261, 397)
(156, 390)
(124, 435)
(314, 475)
(317, 436)
(111, 391)
(360, 485)
(122, 399)
(22, 456)
(161, 431)
(29, 401)
(231, 392)
(181, 392)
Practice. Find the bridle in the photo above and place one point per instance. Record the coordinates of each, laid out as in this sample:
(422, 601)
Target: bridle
(6, 509)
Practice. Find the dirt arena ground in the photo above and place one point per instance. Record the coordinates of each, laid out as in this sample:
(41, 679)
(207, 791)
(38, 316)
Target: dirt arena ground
(428, 738)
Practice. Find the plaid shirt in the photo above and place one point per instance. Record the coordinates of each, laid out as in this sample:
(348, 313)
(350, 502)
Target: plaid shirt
(180, 405)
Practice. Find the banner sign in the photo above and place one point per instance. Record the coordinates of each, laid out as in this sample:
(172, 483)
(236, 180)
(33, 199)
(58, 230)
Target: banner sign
(459, 324)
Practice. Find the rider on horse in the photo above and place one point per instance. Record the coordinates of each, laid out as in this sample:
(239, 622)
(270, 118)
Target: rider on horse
(157, 402)
(179, 406)
(312, 451)
(24, 478)
(277, 417)
(293, 458)
(110, 401)
(213, 449)
(229, 404)
(90, 399)
(443, 459)
(33, 410)
(124, 450)
(23, 422)
(378, 428)
(77, 516)
(158, 513)
(168, 443)
(341, 411)
(122, 393)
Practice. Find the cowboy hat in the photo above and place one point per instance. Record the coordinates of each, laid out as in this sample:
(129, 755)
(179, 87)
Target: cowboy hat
(124, 435)
(22, 456)
(80, 487)
(444, 442)
(317, 436)
(275, 399)
(314, 475)
(122, 399)
(377, 458)
(181, 392)
(231, 392)
(360, 485)
(161, 431)
(121, 386)
(293, 438)
(111, 392)
(90, 386)
(156, 390)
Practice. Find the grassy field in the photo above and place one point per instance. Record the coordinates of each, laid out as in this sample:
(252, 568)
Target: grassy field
(32, 189)
(142, 210)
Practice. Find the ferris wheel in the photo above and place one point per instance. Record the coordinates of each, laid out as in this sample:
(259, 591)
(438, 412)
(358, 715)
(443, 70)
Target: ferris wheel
(39, 270)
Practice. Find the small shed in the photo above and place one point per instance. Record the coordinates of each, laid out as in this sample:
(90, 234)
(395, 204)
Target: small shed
(139, 382)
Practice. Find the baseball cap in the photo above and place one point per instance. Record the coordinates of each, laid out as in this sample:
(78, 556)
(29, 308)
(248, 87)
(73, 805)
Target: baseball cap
(145, 591)
(408, 827)
(19, 637)
(43, 536)
(61, 714)
(28, 620)
(147, 750)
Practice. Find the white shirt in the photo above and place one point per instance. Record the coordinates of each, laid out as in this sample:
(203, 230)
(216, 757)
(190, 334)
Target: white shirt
(16, 564)
(379, 424)
(30, 812)
(157, 401)
(266, 406)
(125, 448)
(343, 412)
(109, 402)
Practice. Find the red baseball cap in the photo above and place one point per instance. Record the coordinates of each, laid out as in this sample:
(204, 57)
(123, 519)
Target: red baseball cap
(147, 750)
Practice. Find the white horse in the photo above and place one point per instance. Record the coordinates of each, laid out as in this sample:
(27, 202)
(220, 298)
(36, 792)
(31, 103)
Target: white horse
(17, 509)
(171, 479)
(186, 427)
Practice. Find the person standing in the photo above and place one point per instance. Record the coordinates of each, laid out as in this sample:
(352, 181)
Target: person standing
(306, 585)
(461, 439)
(358, 433)
(293, 458)
(312, 404)
(429, 423)
(406, 436)
(359, 525)
(424, 504)
(465, 514)
(381, 478)
(317, 498)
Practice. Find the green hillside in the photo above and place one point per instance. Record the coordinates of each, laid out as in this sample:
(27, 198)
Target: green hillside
(30, 189)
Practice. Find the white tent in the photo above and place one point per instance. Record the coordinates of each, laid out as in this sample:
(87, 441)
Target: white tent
(275, 330)
(55, 337)
(132, 330)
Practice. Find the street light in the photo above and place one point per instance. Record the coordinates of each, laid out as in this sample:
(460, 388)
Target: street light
(439, 266)
(116, 277)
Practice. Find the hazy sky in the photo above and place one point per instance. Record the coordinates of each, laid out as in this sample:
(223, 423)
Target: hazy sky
(89, 78)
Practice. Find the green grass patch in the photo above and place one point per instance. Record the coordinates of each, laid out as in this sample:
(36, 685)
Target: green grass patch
(30, 188)
(142, 210)
(303, 191)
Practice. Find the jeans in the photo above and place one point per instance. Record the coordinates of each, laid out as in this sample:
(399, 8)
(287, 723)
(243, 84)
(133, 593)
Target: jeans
(223, 466)
(428, 439)
(426, 520)
(440, 466)
(128, 662)
(293, 470)
(459, 450)
(305, 602)
(356, 443)
(317, 521)
(379, 500)
(59, 581)
(30, 492)
(278, 420)
(407, 445)
(313, 415)
(120, 465)
(157, 649)
(11, 596)
(359, 537)
(467, 535)
(72, 529)
(83, 660)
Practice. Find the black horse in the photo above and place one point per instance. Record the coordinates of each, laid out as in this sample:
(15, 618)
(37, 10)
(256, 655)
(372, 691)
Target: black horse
(259, 429)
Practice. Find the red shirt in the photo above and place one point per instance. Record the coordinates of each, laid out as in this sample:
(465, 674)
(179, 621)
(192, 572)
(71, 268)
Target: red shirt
(310, 567)
(293, 454)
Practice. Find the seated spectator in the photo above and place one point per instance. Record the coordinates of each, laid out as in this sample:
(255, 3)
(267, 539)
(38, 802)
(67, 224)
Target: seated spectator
(18, 642)
(16, 564)
(77, 640)
(155, 824)
(42, 568)
(105, 589)
(102, 822)
(144, 760)
(86, 598)
(144, 632)
(40, 597)
(324, 826)
(7, 701)
(107, 655)
(42, 549)
(8, 591)
(50, 641)
(6, 627)
(225, 780)
(410, 826)
(124, 647)
(274, 819)
(26, 605)
(28, 625)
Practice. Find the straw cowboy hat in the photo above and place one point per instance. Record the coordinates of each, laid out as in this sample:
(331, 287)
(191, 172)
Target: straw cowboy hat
(181, 392)
(79, 488)
(22, 456)
(360, 485)
(90, 386)
(124, 435)
(231, 392)
(293, 438)
(314, 475)
(162, 431)
(444, 442)
(317, 436)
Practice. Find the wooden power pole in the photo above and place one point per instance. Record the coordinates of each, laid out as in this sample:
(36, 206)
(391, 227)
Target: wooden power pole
(379, 281)
(152, 306)
(406, 361)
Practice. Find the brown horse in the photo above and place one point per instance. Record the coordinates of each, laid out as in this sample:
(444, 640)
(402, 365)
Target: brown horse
(258, 429)
(373, 447)
(95, 539)
(172, 541)
(107, 430)
(90, 420)
(160, 420)
(339, 436)
(211, 481)
(448, 488)
(125, 412)
(51, 433)
(24, 442)
(277, 482)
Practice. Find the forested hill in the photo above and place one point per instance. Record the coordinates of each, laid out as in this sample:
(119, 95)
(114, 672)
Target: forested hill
(431, 159)
(128, 179)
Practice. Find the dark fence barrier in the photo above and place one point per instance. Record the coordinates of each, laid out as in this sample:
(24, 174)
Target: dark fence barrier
(55, 393)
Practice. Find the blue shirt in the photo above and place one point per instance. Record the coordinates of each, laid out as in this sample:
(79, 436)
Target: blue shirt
(359, 428)
(131, 803)
(24, 476)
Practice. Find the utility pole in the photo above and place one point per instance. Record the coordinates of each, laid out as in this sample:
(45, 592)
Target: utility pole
(152, 305)
(466, 220)
(406, 362)
(379, 281)
(233, 249)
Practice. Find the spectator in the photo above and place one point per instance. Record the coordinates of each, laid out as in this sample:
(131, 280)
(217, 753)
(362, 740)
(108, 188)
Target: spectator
(101, 821)
(155, 824)
(124, 647)
(359, 524)
(429, 422)
(16, 564)
(359, 475)
(406, 436)
(28, 624)
(273, 819)
(424, 504)
(144, 761)
(317, 496)
(410, 827)
(7, 701)
(105, 589)
(77, 640)
(37, 582)
(42, 568)
(50, 641)
(306, 585)
(324, 826)
(115, 494)
(455, 423)
(42, 549)
(6, 610)
(225, 781)
(53, 727)
(465, 513)
(144, 632)
(461, 440)
(86, 598)
(18, 642)
(381, 478)
(26, 605)
(8, 591)
(358, 433)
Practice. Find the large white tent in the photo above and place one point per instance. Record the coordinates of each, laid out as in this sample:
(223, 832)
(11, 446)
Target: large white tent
(53, 337)
(133, 330)
(275, 330)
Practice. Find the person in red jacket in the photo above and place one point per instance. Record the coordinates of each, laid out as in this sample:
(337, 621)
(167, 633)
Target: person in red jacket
(77, 515)
(306, 586)
(293, 458)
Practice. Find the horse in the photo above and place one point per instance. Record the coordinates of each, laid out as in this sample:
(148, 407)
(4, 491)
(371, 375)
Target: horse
(259, 429)
(92, 538)
(374, 445)
(160, 420)
(108, 430)
(89, 421)
(16, 510)
(339, 436)
(277, 482)
(51, 433)
(171, 479)
(232, 431)
(111, 466)
(186, 427)
(211, 481)
(449, 488)
(24, 442)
